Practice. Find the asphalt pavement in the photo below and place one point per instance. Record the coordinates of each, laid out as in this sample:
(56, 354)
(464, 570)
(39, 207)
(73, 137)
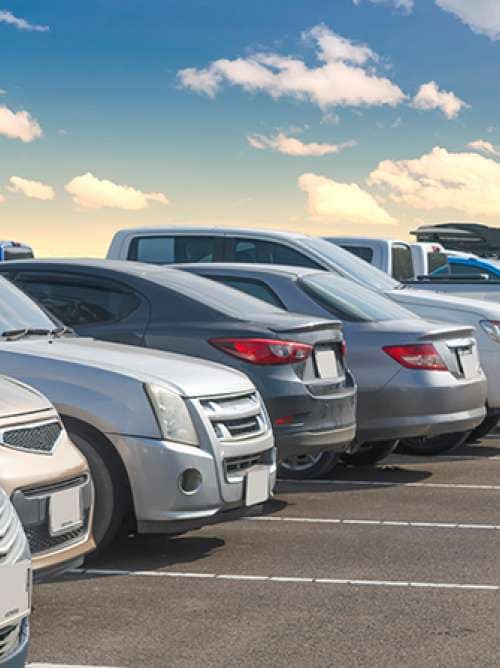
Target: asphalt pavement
(389, 566)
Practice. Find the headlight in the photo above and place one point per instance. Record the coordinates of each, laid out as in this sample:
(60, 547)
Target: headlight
(492, 328)
(172, 415)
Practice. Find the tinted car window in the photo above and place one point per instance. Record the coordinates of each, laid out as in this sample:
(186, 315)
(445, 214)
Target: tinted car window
(360, 251)
(251, 287)
(76, 301)
(402, 263)
(349, 301)
(464, 268)
(167, 250)
(268, 252)
(437, 260)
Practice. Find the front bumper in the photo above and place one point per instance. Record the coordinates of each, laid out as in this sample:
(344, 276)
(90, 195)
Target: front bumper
(406, 408)
(155, 468)
(53, 555)
(17, 658)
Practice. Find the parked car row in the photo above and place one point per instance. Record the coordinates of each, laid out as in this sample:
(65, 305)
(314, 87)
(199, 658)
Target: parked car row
(161, 399)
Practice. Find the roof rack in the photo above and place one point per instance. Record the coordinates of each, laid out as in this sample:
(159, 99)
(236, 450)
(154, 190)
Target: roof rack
(469, 237)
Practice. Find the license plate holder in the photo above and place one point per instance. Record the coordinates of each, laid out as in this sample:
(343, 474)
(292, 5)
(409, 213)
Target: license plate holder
(326, 363)
(257, 486)
(15, 598)
(468, 362)
(65, 511)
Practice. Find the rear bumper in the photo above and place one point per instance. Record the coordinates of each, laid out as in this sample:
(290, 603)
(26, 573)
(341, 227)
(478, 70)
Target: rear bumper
(18, 658)
(404, 410)
(321, 423)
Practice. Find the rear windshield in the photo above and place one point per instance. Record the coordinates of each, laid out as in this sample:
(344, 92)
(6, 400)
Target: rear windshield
(352, 302)
(212, 295)
(363, 252)
(437, 260)
(350, 266)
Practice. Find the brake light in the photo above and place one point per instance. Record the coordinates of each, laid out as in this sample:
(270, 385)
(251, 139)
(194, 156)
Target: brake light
(423, 356)
(343, 348)
(264, 351)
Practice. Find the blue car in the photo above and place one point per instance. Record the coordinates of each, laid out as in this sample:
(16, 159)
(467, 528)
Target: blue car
(15, 588)
(468, 265)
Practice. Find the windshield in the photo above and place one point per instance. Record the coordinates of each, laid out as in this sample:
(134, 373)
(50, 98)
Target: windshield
(351, 266)
(350, 301)
(18, 311)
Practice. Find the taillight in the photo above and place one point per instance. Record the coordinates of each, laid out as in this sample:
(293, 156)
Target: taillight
(422, 356)
(264, 351)
(343, 348)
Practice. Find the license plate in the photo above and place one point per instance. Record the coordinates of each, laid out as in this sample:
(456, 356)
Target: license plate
(257, 486)
(469, 363)
(15, 588)
(65, 511)
(326, 363)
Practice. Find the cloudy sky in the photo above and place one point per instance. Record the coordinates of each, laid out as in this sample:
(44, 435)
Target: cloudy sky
(356, 116)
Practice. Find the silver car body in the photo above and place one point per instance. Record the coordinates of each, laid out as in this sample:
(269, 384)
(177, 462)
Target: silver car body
(15, 587)
(103, 385)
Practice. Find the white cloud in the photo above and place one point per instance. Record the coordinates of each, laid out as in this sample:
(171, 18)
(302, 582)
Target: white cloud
(430, 96)
(19, 125)
(482, 16)
(464, 182)
(484, 146)
(293, 146)
(3, 92)
(21, 24)
(405, 5)
(330, 201)
(34, 189)
(92, 193)
(344, 77)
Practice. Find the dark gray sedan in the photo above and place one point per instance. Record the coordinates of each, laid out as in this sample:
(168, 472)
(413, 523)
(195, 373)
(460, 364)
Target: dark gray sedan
(411, 380)
(295, 361)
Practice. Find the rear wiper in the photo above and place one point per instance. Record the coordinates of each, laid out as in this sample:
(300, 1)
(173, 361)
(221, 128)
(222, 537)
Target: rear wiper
(14, 334)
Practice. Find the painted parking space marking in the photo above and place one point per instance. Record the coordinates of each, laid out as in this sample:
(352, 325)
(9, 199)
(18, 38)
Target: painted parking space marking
(387, 483)
(377, 523)
(63, 665)
(91, 572)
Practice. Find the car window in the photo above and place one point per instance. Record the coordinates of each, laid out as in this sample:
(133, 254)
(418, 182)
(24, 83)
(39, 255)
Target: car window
(77, 301)
(402, 262)
(360, 251)
(19, 311)
(251, 287)
(350, 301)
(268, 252)
(437, 261)
(465, 268)
(167, 250)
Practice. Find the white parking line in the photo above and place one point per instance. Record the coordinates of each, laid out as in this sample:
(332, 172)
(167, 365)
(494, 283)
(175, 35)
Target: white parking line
(295, 580)
(377, 523)
(61, 665)
(386, 483)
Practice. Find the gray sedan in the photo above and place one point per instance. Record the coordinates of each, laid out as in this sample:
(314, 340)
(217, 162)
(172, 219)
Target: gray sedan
(415, 378)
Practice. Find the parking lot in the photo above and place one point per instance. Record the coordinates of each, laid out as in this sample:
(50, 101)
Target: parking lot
(377, 567)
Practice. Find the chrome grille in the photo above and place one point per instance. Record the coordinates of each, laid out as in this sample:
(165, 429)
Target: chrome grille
(9, 639)
(36, 438)
(236, 418)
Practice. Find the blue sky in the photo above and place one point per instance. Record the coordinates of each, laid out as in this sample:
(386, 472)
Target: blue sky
(102, 84)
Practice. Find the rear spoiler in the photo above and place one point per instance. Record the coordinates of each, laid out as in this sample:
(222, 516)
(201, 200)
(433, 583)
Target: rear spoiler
(449, 332)
(317, 326)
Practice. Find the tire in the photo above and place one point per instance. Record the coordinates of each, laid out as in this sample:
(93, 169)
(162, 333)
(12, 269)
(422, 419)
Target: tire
(306, 467)
(433, 446)
(110, 489)
(487, 425)
(370, 453)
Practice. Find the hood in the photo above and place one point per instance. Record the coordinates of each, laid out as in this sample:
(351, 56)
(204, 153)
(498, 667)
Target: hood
(484, 309)
(19, 399)
(189, 376)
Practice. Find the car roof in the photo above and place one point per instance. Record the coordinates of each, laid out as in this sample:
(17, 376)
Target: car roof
(217, 229)
(249, 267)
(125, 266)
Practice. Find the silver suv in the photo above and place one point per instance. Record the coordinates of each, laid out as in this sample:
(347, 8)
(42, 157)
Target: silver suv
(15, 587)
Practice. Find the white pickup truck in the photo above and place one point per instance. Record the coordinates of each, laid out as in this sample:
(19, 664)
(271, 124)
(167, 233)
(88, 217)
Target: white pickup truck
(413, 264)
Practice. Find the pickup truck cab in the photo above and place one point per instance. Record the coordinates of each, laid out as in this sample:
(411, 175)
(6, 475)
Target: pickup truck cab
(401, 260)
(469, 265)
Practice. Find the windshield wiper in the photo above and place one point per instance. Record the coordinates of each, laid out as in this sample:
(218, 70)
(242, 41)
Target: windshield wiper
(62, 331)
(14, 334)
